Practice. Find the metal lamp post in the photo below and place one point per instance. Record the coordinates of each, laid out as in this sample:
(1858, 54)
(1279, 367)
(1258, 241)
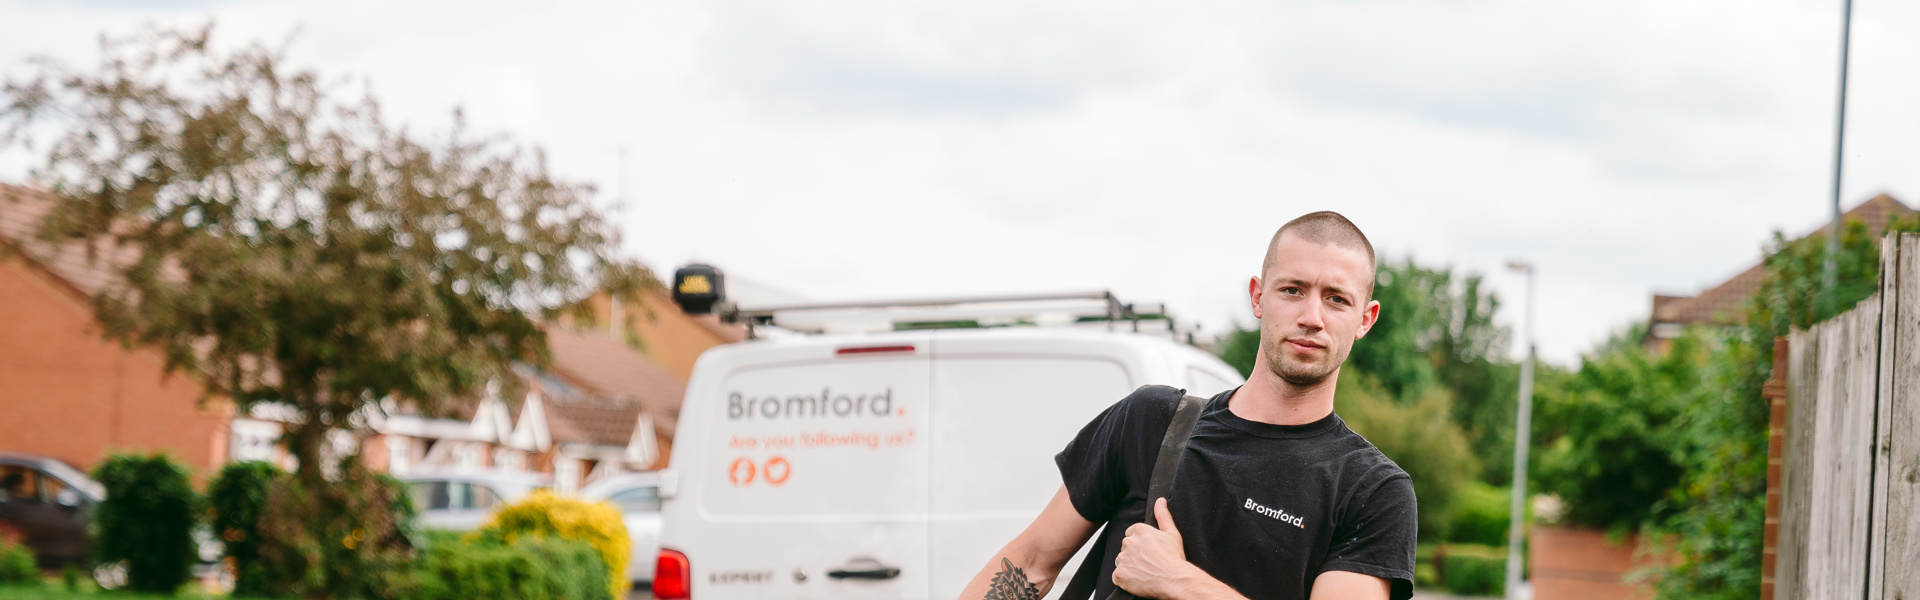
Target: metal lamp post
(1830, 267)
(1516, 524)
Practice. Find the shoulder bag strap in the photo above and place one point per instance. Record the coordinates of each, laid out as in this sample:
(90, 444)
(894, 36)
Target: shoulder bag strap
(1165, 465)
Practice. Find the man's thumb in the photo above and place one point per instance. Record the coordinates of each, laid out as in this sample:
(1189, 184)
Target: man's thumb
(1164, 517)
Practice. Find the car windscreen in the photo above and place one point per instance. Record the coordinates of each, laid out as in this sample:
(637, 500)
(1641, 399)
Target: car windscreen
(639, 499)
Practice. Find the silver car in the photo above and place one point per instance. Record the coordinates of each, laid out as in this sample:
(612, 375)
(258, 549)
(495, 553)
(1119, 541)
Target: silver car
(637, 495)
(463, 500)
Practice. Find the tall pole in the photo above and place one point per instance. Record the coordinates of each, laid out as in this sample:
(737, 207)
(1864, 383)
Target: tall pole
(1516, 523)
(1830, 268)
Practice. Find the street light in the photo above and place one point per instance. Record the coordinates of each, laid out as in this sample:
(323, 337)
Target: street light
(1521, 433)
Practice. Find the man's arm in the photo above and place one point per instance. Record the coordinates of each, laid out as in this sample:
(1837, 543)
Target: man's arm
(1342, 585)
(1036, 556)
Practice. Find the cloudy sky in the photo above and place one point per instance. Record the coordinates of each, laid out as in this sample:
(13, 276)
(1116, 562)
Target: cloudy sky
(890, 149)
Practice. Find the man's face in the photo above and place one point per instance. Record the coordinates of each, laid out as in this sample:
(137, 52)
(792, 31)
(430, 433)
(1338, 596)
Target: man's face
(1312, 305)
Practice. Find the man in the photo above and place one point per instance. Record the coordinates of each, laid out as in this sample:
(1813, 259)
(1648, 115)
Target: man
(1275, 497)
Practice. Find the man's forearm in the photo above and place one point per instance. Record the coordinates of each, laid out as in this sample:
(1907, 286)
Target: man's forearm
(1004, 579)
(1035, 557)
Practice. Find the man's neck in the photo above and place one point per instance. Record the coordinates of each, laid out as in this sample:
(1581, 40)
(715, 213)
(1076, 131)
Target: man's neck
(1266, 398)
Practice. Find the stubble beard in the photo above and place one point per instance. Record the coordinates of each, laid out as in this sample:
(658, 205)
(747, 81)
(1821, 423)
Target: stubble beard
(1296, 373)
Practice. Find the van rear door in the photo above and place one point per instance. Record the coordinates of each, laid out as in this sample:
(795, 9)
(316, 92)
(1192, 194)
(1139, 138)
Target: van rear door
(1002, 408)
(813, 481)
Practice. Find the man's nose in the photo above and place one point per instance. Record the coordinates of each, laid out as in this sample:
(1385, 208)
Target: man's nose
(1311, 318)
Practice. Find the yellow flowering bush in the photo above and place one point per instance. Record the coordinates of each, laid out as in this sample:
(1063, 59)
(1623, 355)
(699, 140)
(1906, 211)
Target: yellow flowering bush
(545, 513)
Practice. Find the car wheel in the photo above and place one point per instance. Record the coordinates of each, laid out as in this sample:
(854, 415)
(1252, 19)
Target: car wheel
(111, 576)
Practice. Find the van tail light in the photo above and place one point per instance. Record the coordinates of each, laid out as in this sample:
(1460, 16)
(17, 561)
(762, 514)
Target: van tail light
(672, 576)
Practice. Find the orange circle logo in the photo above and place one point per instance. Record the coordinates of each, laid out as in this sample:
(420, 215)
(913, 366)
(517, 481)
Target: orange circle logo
(741, 473)
(778, 470)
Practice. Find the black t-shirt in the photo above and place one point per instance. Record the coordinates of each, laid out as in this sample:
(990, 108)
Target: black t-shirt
(1263, 508)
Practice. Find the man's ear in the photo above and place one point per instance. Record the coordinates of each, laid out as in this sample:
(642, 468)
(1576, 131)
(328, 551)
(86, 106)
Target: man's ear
(1253, 295)
(1368, 318)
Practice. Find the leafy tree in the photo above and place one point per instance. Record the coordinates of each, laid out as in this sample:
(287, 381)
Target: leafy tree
(1241, 349)
(1676, 443)
(1609, 432)
(290, 248)
(1445, 335)
(1720, 503)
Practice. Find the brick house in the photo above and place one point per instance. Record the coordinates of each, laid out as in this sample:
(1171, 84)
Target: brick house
(67, 393)
(601, 407)
(1723, 304)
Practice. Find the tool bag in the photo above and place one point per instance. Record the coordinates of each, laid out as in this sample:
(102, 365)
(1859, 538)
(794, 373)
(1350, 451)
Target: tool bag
(1172, 446)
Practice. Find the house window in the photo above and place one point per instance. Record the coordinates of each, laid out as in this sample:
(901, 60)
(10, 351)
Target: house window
(399, 454)
(566, 476)
(469, 457)
(507, 459)
(253, 440)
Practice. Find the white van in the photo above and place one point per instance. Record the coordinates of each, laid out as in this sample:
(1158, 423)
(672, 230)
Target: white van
(885, 465)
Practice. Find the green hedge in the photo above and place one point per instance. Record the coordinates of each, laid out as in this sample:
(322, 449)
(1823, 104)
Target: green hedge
(147, 520)
(458, 568)
(1473, 570)
(236, 499)
(16, 564)
(1481, 515)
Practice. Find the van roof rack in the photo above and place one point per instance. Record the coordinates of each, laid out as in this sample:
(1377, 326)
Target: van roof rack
(1079, 309)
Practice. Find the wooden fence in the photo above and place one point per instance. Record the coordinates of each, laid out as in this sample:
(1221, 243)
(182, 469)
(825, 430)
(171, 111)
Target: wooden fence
(1849, 524)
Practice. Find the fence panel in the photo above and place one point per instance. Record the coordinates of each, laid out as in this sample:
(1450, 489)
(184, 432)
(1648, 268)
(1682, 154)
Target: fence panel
(1796, 491)
(1824, 515)
(1901, 444)
(1849, 523)
(1842, 443)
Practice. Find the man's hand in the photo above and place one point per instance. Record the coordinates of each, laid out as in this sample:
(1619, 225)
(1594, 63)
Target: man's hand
(1153, 563)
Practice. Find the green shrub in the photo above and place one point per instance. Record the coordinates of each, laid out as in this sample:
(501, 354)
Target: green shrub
(70, 577)
(1473, 570)
(544, 513)
(343, 538)
(1416, 435)
(147, 520)
(1480, 515)
(16, 564)
(1425, 576)
(464, 568)
(236, 498)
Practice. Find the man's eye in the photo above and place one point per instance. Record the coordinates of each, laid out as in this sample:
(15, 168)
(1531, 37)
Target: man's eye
(1339, 300)
(1289, 290)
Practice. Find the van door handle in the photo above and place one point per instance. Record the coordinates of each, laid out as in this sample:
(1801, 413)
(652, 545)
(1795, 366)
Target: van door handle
(864, 568)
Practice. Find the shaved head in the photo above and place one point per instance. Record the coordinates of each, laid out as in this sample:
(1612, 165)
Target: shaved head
(1326, 228)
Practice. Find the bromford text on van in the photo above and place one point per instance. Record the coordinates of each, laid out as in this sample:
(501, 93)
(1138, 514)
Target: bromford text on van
(885, 465)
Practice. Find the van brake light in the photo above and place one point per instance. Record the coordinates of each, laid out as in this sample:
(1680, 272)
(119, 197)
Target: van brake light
(672, 576)
(857, 350)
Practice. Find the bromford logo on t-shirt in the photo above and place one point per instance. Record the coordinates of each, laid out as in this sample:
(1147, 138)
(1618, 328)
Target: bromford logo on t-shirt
(802, 406)
(1275, 513)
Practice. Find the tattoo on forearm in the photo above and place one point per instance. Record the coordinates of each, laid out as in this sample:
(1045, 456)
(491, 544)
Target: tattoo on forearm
(1011, 584)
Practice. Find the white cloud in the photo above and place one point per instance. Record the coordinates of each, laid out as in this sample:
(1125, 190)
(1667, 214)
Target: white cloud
(873, 148)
